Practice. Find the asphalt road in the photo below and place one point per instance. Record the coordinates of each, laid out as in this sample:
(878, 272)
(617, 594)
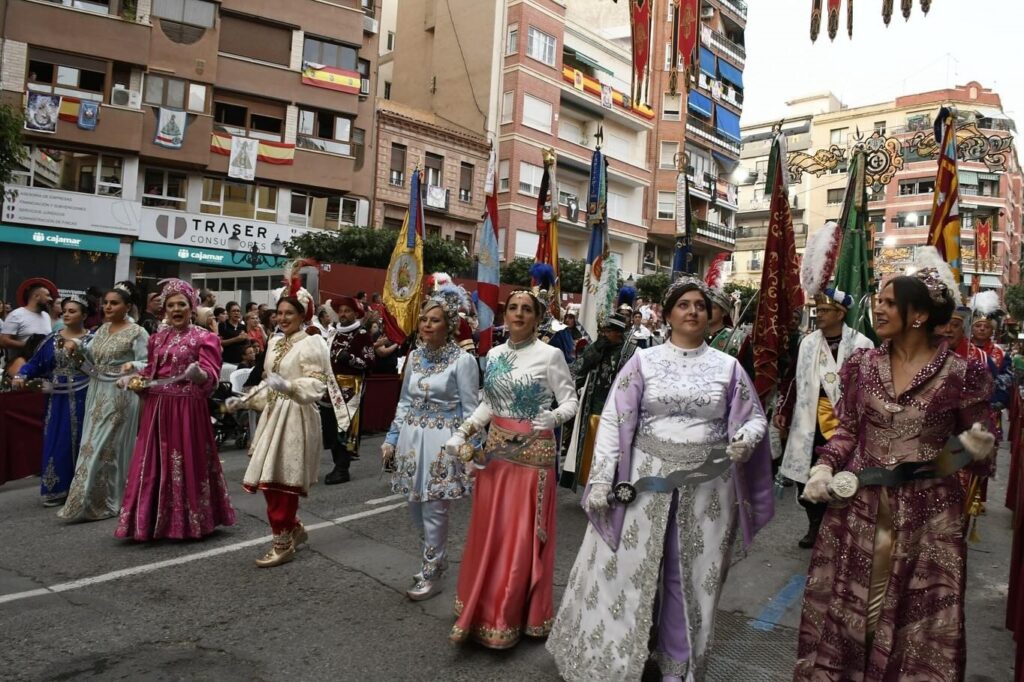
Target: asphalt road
(78, 604)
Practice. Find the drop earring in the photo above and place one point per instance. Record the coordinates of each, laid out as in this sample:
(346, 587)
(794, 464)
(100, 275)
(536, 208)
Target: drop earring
(917, 324)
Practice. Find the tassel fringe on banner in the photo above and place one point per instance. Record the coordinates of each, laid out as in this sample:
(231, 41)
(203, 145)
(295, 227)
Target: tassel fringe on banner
(906, 6)
(833, 18)
(815, 19)
(926, 5)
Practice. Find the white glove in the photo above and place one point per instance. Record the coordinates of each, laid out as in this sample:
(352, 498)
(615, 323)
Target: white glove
(387, 450)
(544, 421)
(278, 383)
(818, 484)
(597, 500)
(233, 404)
(195, 374)
(453, 444)
(978, 441)
(739, 450)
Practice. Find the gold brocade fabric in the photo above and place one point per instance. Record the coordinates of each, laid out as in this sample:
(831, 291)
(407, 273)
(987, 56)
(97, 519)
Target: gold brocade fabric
(827, 420)
(587, 457)
(881, 561)
(540, 453)
(351, 383)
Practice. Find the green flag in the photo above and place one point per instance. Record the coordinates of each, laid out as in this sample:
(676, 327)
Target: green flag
(854, 271)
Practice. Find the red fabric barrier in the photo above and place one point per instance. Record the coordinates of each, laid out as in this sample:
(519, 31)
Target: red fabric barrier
(21, 434)
(380, 402)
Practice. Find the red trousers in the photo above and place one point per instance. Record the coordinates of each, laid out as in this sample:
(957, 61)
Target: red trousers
(281, 510)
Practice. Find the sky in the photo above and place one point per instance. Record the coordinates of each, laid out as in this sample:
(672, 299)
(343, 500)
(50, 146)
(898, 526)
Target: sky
(958, 41)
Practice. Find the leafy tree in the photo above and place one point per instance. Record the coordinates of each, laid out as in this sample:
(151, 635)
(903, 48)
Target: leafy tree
(372, 249)
(517, 271)
(1014, 298)
(571, 273)
(652, 287)
(444, 255)
(12, 149)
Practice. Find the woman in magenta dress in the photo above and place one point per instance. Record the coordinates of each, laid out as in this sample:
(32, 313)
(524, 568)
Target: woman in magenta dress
(175, 483)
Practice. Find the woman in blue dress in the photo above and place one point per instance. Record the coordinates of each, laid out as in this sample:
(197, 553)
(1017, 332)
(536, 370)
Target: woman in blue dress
(111, 413)
(440, 388)
(55, 362)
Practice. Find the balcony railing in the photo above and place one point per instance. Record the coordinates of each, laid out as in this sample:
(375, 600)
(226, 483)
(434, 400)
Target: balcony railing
(318, 144)
(716, 231)
(705, 131)
(436, 198)
(738, 6)
(734, 50)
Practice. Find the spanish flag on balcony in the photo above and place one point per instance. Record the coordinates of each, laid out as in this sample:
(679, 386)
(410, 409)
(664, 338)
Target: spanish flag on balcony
(945, 229)
(321, 76)
(403, 287)
(277, 153)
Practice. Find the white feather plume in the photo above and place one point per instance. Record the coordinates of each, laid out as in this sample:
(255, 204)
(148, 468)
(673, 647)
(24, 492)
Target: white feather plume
(985, 302)
(819, 259)
(928, 257)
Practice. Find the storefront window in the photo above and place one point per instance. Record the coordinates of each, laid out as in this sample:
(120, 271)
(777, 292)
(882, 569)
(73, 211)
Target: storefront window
(312, 209)
(239, 200)
(164, 189)
(72, 171)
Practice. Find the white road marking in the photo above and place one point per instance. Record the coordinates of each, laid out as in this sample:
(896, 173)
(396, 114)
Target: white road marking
(381, 500)
(177, 561)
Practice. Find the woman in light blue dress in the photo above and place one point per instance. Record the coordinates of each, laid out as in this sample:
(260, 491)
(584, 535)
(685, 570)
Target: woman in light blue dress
(111, 413)
(440, 388)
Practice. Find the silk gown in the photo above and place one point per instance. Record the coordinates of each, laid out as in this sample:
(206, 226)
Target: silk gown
(505, 583)
(110, 427)
(175, 485)
(62, 425)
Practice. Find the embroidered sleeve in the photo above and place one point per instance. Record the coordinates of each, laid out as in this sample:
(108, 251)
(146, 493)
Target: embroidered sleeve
(744, 404)
(149, 344)
(561, 385)
(209, 361)
(842, 444)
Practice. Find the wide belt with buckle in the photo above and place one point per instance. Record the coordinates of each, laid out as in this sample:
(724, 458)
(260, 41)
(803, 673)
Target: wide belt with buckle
(714, 466)
(953, 457)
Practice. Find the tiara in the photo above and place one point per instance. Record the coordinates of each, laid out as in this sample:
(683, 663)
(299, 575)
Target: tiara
(451, 298)
(684, 281)
(75, 298)
(121, 286)
(937, 289)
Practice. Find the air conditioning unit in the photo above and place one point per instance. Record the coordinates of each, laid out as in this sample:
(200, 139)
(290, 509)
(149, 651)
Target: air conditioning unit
(364, 86)
(370, 25)
(707, 12)
(123, 97)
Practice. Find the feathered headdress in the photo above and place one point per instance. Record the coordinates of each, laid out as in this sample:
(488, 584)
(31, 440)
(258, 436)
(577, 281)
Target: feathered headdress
(715, 280)
(293, 285)
(931, 269)
(819, 259)
(435, 280)
(626, 297)
(986, 305)
(544, 276)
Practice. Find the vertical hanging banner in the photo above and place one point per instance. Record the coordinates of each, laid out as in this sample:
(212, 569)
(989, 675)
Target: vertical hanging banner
(596, 304)
(687, 38)
(403, 285)
(547, 229)
(854, 270)
(906, 6)
(833, 18)
(945, 227)
(487, 272)
(242, 163)
(815, 19)
(887, 11)
(681, 257)
(983, 239)
(88, 115)
(170, 128)
(640, 28)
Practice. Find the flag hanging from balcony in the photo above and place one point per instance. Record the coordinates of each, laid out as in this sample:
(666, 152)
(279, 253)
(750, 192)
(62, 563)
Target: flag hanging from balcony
(487, 273)
(854, 272)
(684, 41)
(640, 28)
(242, 159)
(598, 292)
(547, 231)
(780, 297)
(170, 128)
(684, 228)
(403, 285)
(983, 239)
(321, 76)
(945, 228)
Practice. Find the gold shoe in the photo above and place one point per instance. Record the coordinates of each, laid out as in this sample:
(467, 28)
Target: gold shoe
(281, 552)
(299, 536)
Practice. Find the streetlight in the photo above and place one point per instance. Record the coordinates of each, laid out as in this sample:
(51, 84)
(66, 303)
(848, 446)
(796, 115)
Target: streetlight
(253, 258)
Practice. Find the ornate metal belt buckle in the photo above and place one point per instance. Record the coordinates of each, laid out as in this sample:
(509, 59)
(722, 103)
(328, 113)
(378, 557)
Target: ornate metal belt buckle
(624, 492)
(844, 486)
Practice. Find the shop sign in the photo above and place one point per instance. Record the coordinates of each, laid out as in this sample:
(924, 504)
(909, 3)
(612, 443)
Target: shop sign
(58, 239)
(188, 254)
(199, 230)
(60, 209)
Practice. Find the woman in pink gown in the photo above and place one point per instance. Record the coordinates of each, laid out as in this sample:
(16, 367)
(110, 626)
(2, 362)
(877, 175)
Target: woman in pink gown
(175, 483)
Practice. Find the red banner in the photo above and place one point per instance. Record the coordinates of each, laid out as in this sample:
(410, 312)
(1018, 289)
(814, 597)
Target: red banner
(815, 19)
(833, 18)
(983, 238)
(640, 27)
(689, 32)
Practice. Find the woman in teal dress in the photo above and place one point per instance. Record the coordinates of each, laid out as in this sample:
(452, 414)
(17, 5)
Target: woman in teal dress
(55, 362)
(111, 413)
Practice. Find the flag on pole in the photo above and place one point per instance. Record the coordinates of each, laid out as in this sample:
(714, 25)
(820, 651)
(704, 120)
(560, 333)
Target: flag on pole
(404, 283)
(854, 272)
(487, 272)
(684, 227)
(594, 306)
(547, 229)
(780, 297)
(945, 228)
(640, 30)
(685, 36)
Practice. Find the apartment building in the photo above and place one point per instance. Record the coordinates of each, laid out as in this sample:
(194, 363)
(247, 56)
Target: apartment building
(139, 177)
(899, 210)
(697, 132)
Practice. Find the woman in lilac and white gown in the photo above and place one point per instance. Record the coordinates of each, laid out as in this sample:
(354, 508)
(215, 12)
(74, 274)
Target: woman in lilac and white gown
(662, 560)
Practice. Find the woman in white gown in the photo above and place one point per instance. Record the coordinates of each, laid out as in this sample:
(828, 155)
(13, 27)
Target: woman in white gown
(662, 559)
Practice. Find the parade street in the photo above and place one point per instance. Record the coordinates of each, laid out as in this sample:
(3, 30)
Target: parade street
(76, 603)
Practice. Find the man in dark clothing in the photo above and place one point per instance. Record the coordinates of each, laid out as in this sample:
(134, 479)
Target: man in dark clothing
(232, 334)
(352, 358)
(150, 318)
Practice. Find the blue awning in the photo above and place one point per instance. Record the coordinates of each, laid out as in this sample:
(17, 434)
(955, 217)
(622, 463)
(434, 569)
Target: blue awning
(724, 160)
(707, 62)
(728, 124)
(699, 103)
(730, 73)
